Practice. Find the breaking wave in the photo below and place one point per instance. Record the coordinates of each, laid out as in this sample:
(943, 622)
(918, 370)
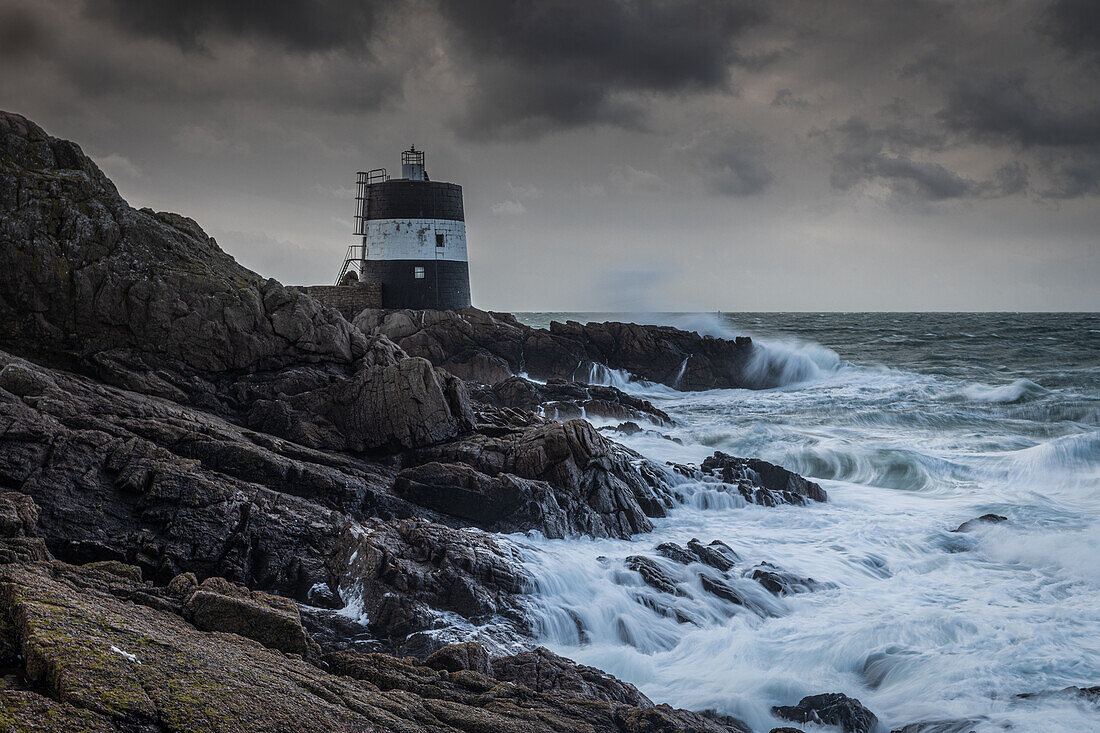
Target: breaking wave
(1018, 391)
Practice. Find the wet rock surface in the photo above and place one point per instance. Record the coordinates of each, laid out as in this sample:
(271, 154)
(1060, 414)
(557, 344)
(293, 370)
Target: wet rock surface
(713, 581)
(760, 482)
(489, 348)
(971, 524)
(559, 399)
(544, 671)
(596, 487)
(402, 575)
(834, 708)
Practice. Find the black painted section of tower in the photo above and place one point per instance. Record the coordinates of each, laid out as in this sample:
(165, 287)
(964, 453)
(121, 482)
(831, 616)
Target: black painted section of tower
(445, 285)
(401, 199)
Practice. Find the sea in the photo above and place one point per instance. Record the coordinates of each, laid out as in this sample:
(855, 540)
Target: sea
(913, 423)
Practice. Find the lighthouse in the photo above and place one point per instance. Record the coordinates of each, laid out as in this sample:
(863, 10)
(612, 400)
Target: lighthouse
(410, 238)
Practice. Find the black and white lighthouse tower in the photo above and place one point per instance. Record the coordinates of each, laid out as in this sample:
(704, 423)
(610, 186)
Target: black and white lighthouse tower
(412, 238)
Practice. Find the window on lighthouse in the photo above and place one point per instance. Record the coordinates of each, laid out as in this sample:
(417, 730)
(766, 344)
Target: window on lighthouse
(418, 273)
(438, 240)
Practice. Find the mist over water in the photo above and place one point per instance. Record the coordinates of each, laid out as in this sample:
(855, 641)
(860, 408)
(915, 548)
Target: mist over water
(914, 423)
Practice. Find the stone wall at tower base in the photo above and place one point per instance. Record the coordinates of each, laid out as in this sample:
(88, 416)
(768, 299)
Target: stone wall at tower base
(349, 300)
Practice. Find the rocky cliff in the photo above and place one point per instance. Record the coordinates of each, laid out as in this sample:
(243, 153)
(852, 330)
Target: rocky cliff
(198, 466)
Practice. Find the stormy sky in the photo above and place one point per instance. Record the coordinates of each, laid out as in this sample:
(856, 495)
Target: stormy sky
(615, 154)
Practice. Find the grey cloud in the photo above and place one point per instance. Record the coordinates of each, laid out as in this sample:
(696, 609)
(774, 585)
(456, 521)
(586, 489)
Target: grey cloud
(301, 26)
(507, 102)
(738, 172)
(920, 180)
(864, 152)
(563, 64)
(1074, 178)
(21, 34)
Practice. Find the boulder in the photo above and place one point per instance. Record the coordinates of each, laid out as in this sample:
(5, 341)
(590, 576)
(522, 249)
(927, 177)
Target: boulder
(834, 708)
(468, 656)
(218, 605)
(676, 553)
(780, 582)
(984, 519)
(717, 554)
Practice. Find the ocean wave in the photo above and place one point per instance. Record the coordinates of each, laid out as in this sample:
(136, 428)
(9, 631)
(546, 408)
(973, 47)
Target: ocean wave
(790, 363)
(600, 374)
(1076, 455)
(1018, 391)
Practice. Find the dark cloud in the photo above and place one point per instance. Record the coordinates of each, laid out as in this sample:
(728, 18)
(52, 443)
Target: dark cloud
(555, 64)
(1002, 108)
(787, 98)
(1075, 26)
(864, 152)
(300, 26)
(1061, 135)
(21, 34)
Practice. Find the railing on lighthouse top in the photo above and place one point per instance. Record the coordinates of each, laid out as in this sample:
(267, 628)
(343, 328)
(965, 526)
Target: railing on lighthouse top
(412, 165)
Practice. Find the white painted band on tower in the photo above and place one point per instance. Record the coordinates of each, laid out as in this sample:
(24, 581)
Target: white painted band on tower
(414, 239)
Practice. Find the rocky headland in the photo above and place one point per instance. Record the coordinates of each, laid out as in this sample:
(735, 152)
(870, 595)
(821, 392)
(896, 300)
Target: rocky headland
(225, 507)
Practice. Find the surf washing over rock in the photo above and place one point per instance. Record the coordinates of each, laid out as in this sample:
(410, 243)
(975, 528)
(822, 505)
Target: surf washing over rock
(224, 506)
(923, 425)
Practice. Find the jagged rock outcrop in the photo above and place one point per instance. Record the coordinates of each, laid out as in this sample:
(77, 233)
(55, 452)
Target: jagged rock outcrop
(597, 487)
(119, 476)
(466, 656)
(405, 576)
(543, 671)
(382, 408)
(139, 479)
(18, 517)
(486, 347)
(760, 482)
(681, 578)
